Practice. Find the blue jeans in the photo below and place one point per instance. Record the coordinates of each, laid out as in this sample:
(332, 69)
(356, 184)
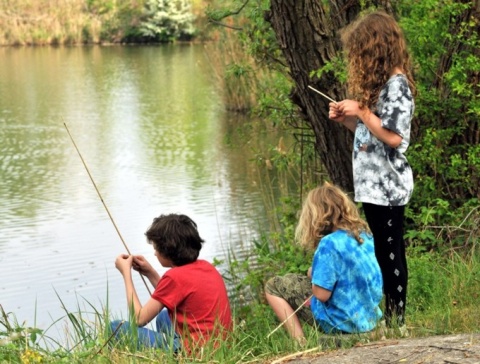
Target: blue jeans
(164, 338)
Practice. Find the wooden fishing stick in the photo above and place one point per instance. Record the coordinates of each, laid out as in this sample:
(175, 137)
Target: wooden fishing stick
(103, 202)
(321, 93)
(289, 316)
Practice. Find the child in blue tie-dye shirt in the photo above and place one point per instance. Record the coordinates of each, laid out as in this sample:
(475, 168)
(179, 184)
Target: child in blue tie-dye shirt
(342, 291)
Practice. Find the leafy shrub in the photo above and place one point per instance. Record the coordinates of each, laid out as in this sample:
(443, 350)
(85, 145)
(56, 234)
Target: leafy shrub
(18, 343)
(445, 150)
(167, 20)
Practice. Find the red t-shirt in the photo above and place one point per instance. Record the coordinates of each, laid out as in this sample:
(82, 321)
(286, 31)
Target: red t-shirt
(197, 302)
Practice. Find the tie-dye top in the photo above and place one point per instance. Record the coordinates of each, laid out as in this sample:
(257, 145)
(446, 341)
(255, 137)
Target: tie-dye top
(381, 174)
(351, 272)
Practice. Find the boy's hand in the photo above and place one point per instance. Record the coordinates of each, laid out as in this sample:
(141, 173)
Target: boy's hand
(124, 263)
(141, 265)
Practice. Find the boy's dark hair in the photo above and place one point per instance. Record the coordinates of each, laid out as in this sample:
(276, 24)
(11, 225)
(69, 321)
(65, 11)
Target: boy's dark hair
(176, 238)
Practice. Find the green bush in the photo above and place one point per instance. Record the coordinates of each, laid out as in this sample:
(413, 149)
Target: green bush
(445, 150)
(167, 20)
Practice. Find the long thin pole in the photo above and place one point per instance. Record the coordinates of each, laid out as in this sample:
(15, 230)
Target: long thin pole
(101, 199)
(321, 93)
(290, 316)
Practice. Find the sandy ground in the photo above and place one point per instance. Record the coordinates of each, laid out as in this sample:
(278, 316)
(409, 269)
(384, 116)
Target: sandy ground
(451, 349)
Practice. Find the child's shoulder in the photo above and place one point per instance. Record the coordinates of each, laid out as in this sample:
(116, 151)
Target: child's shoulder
(199, 264)
(336, 237)
(341, 237)
(398, 78)
(397, 84)
(197, 269)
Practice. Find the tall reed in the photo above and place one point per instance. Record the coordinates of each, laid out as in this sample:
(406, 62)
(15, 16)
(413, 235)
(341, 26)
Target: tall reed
(236, 73)
(40, 22)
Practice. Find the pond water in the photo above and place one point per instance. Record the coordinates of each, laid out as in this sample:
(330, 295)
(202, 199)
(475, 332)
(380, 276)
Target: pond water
(152, 130)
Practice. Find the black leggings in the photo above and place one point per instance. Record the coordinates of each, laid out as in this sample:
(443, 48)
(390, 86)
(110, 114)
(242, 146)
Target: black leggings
(386, 223)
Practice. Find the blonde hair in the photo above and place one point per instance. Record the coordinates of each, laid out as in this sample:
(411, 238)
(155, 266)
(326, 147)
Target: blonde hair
(326, 209)
(374, 45)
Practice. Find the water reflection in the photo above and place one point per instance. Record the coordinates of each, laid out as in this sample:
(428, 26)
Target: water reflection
(151, 128)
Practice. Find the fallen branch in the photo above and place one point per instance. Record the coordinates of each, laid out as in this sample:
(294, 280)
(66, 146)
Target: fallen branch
(294, 355)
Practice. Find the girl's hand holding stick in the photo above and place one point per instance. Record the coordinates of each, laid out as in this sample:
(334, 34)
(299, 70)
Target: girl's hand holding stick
(321, 93)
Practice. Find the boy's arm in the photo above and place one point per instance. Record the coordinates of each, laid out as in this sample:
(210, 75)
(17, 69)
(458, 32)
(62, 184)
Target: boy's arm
(141, 265)
(143, 314)
(148, 312)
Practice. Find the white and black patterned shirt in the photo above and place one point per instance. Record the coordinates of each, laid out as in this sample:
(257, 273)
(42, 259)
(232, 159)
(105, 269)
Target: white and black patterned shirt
(381, 174)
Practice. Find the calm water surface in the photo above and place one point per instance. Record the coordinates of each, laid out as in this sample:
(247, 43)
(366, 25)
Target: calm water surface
(152, 131)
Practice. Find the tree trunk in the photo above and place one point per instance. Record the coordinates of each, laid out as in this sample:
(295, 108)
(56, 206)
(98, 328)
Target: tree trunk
(307, 33)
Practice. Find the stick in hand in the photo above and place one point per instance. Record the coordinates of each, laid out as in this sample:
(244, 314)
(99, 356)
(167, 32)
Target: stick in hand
(291, 315)
(321, 93)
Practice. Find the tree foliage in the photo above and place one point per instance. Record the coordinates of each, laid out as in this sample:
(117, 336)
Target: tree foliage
(167, 20)
(445, 155)
(445, 42)
(300, 40)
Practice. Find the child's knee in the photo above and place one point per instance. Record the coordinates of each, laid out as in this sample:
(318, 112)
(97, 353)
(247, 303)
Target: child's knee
(273, 286)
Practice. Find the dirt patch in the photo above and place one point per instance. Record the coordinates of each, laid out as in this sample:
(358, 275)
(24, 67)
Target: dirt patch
(451, 349)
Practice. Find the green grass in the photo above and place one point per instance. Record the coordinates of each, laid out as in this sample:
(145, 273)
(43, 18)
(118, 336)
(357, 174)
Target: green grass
(443, 298)
(444, 293)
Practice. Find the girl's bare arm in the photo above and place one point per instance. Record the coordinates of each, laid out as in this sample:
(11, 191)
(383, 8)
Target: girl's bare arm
(350, 108)
(374, 124)
(320, 293)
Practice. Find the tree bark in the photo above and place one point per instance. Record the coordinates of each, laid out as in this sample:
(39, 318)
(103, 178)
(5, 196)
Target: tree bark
(307, 33)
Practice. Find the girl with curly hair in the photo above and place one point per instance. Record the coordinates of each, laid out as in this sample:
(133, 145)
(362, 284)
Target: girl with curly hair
(344, 281)
(379, 111)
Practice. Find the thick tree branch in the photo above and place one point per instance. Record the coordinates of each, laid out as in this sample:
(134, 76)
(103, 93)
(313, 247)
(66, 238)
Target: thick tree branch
(228, 14)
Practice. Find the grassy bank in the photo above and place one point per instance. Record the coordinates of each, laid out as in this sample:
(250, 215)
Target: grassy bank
(443, 299)
(61, 22)
(39, 22)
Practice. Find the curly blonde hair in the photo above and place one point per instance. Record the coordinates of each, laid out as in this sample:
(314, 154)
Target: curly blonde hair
(374, 46)
(326, 209)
